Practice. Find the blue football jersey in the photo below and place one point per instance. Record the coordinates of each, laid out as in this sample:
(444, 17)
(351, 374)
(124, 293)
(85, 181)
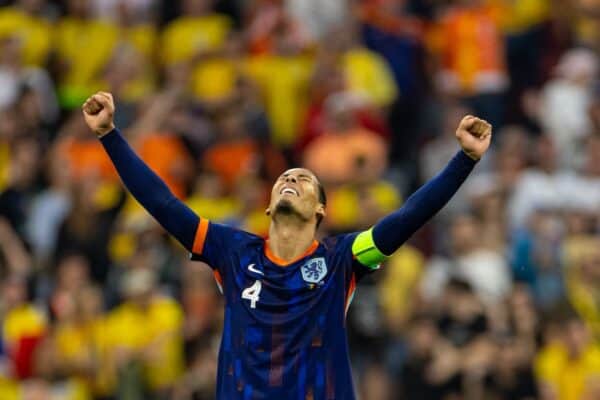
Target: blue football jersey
(284, 333)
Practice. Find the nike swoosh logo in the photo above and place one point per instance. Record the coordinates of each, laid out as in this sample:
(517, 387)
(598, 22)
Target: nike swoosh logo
(252, 269)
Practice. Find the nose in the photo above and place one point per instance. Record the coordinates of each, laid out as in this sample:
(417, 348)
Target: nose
(290, 178)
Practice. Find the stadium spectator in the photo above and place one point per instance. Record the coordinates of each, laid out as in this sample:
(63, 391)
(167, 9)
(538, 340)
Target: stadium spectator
(269, 21)
(23, 327)
(540, 186)
(317, 17)
(568, 365)
(282, 77)
(84, 47)
(346, 149)
(471, 53)
(566, 101)
(26, 21)
(469, 261)
(145, 336)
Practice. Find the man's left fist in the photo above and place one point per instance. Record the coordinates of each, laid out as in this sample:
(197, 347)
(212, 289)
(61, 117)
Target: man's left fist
(474, 136)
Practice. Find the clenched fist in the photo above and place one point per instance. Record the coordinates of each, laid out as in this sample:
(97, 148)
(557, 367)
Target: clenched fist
(98, 111)
(474, 136)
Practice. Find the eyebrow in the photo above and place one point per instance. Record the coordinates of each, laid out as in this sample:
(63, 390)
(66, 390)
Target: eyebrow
(299, 176)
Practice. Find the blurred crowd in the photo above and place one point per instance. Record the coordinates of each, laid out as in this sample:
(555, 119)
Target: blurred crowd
(497, 298)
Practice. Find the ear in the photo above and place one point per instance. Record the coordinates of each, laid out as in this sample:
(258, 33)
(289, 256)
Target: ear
(321, 210)
(268, 211)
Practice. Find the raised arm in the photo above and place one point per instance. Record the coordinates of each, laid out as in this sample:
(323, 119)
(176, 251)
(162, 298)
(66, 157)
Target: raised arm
(371, 247)
(147, 188)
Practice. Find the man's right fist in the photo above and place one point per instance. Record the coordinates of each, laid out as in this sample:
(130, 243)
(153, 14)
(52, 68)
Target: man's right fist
(474, 136)
(98, 111)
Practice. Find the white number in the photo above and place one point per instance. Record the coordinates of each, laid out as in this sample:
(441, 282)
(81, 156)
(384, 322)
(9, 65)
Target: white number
(252, 293)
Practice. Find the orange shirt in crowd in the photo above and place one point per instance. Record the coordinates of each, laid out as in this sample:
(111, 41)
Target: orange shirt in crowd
(471, 49)
(338, 157)
(231, 159)
(86, 157)
(167, 156)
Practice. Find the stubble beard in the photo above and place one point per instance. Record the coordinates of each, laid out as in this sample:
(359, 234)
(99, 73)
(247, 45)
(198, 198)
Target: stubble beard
(286, 209)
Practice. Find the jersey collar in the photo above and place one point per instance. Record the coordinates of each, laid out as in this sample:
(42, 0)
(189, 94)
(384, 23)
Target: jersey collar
(284, 263)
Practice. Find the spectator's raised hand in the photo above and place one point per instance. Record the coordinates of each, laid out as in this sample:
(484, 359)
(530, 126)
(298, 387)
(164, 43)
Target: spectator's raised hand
(99, 111)
(474, 136)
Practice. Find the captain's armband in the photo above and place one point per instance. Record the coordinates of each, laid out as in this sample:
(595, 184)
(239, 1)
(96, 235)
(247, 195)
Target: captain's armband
(365, 250)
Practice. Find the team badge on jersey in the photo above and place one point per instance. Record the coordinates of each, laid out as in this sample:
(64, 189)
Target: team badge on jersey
(314, 270)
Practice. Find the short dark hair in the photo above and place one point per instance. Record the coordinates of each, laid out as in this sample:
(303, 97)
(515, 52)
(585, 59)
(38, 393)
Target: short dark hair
(322, 200)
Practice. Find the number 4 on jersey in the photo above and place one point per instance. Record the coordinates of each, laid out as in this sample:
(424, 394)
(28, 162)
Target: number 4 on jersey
(252, 293)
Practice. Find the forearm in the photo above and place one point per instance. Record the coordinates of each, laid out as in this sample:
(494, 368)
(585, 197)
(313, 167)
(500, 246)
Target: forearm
(392, 231)
(150, 191)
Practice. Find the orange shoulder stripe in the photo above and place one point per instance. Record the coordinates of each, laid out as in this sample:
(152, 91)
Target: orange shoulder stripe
(200, 236)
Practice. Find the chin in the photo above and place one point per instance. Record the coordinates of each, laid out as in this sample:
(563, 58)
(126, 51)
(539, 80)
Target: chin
(285, 206)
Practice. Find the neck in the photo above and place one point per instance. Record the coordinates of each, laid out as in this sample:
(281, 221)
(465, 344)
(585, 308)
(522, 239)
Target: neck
(289, 238)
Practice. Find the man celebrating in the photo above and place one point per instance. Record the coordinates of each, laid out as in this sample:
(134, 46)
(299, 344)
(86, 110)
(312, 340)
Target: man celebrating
(286, 297)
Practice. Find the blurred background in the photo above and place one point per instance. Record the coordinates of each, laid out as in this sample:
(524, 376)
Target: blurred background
(497, 298)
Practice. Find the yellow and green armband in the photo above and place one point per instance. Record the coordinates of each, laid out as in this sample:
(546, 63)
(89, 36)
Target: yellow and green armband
(365, 250)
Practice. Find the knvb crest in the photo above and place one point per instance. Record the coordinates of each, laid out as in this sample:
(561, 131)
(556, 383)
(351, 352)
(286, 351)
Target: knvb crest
(314, 270)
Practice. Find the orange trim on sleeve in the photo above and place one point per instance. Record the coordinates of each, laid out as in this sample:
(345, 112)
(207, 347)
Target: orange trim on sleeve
(200, 236)
(218, 277)
(219, 280)
(351, 289)
(284, 263)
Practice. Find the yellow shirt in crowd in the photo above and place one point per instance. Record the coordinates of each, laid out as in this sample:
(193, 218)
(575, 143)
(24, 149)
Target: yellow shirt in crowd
(517, 16)
(569, 378)
(283, 82)
(398, 288)
(34, 32)
(85, 46)
(21, 322)
(214, 77)
(186, 36)
(367, 74)
(214, 209)
(142, 39)
(157, 332)
(87, 342)
(9, 389)
(346, 208)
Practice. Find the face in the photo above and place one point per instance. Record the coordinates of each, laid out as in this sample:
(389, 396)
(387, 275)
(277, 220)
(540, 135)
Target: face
(576, 336)
(296, 192)
(73, 272)
(463, 234)
(14, 293)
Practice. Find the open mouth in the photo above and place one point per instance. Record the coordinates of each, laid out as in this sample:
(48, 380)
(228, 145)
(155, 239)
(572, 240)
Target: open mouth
(290, 191)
